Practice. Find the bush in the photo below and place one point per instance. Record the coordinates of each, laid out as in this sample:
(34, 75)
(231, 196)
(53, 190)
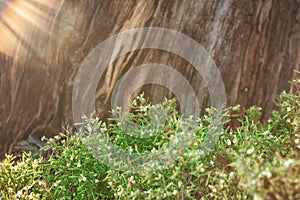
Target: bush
(22, 180)
(254, 161)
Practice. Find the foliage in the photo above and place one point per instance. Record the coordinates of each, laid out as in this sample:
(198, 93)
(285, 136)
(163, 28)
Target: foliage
(257, 160)
(70, 171)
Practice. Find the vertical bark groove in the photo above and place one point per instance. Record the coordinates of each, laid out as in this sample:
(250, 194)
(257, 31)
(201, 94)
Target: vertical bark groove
(255, 44)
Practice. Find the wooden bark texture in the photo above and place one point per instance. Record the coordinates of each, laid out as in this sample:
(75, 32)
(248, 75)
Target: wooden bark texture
(255, 45)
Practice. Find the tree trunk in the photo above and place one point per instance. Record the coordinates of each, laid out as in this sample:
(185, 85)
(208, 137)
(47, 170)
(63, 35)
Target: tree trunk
(255, 45)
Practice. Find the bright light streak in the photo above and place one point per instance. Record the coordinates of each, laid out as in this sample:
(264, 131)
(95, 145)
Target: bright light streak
(25, 25)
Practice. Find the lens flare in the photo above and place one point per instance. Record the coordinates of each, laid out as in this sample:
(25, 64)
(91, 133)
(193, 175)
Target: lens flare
(25, 26)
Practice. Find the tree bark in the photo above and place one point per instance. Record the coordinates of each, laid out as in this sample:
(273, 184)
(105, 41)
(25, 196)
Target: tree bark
(255, 45)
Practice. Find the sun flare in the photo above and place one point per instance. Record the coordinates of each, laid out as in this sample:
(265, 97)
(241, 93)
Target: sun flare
(21, 21)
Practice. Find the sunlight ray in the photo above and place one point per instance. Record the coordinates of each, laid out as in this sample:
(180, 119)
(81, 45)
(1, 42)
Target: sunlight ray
(25, 25)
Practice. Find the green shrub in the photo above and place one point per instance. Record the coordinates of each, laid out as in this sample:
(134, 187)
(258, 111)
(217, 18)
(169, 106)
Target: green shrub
(22, 180)
(258, 160)
(272, 170)
(71, 171)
